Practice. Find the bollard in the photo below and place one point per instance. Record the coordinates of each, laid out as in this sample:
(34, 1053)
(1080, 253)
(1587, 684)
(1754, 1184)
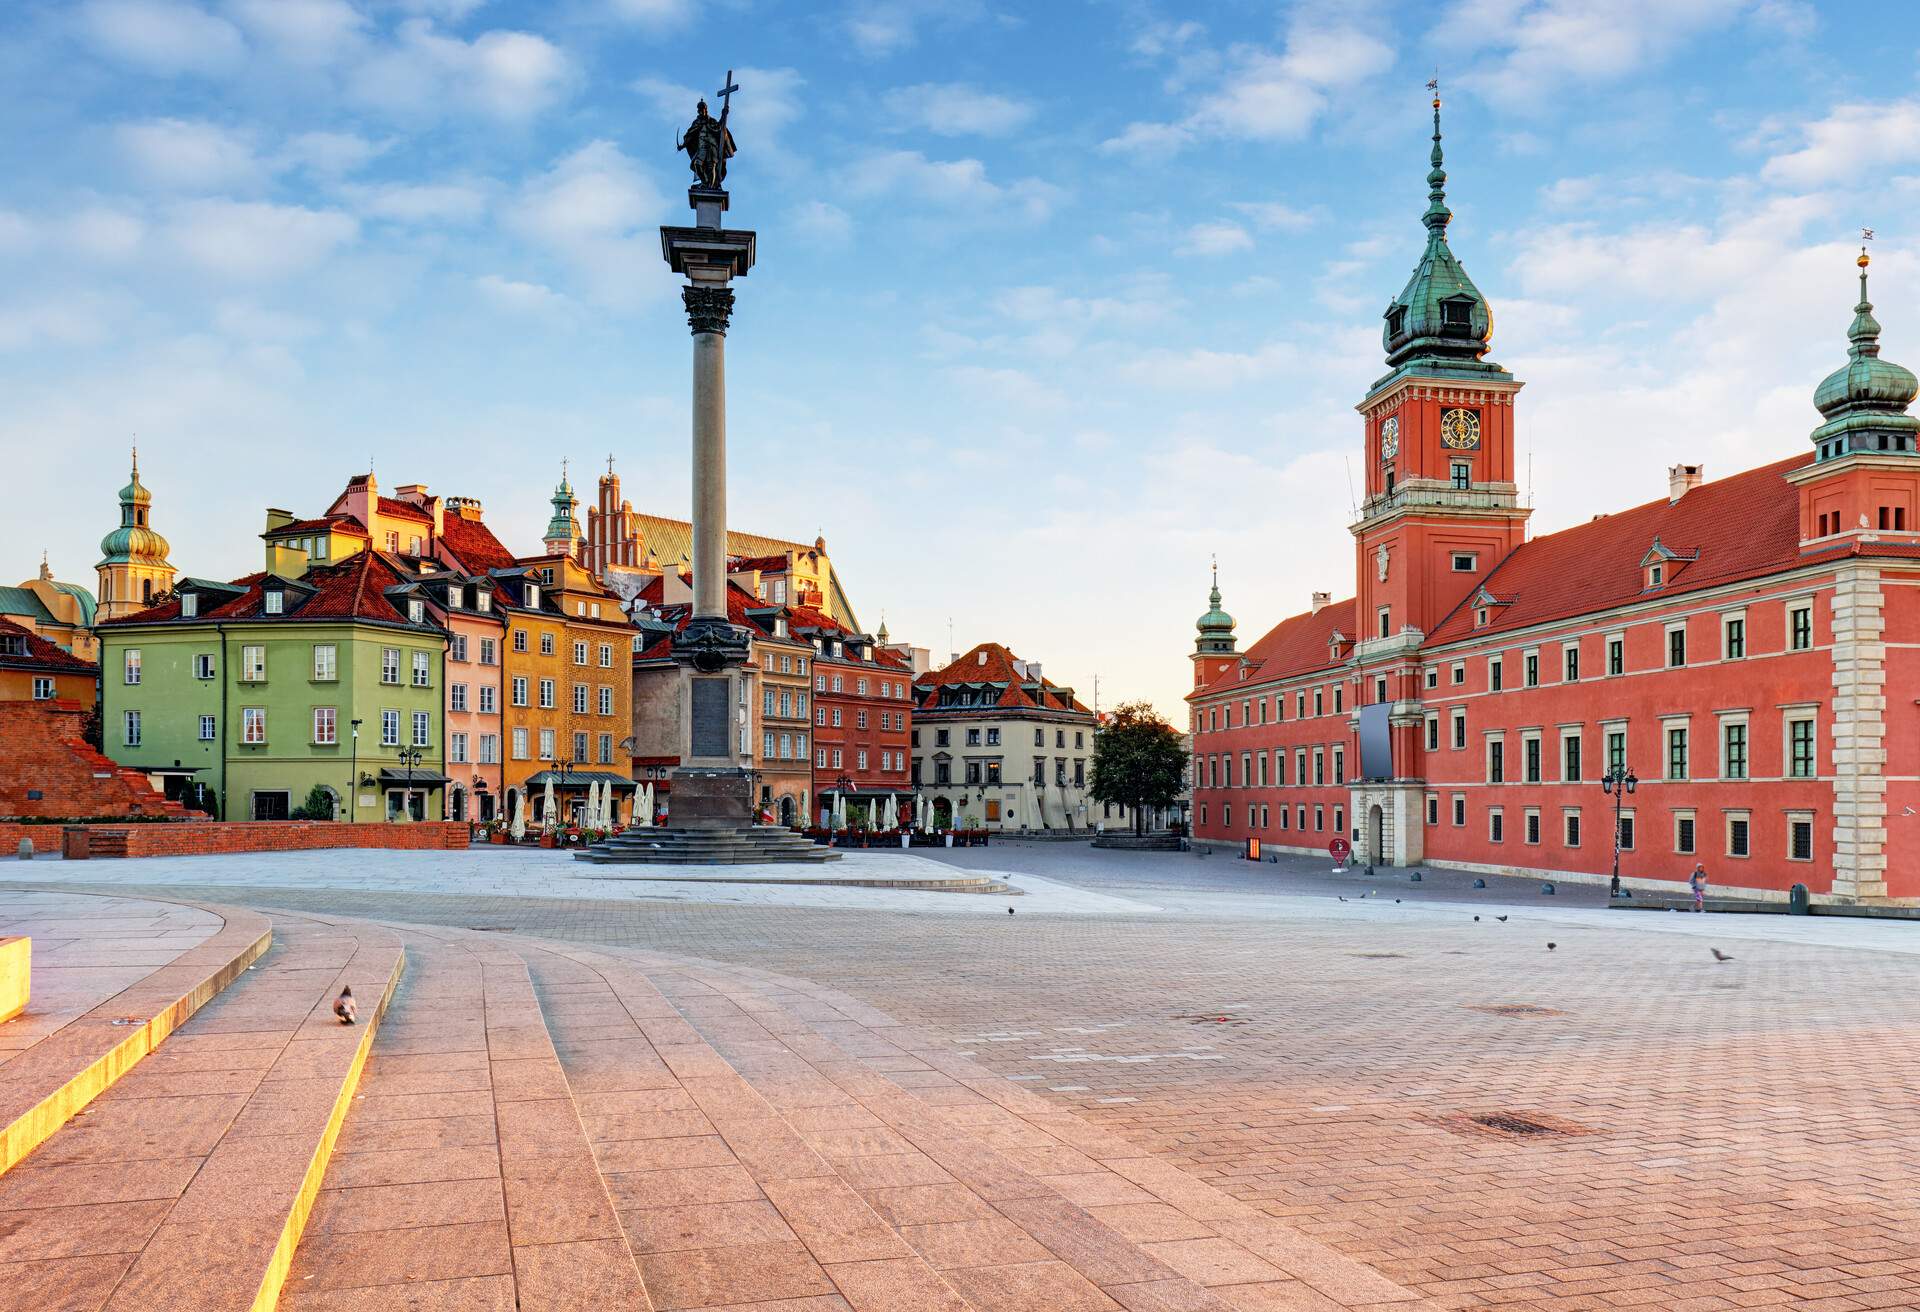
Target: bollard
(1414, 878)
(25, 850)
(1479, 883)
(1798, 903)
(1547, 889)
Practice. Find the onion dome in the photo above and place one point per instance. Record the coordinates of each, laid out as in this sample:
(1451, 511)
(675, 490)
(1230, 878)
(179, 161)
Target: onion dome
(1864, 402)
(134, 542)
(563, 527)
(1215, 628)
(1440, 320)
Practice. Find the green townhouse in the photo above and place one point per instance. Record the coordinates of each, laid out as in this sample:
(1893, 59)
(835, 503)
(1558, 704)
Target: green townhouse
(245, 695)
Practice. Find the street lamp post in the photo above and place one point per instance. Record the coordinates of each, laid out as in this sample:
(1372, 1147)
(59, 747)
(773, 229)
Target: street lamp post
(410, 757)
(353, 772)
(1618, 782)
(841, 786)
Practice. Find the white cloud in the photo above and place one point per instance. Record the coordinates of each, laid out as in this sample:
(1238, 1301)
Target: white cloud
(1275, 214)
(308, 32)
(256, 241)
(822, 224)
(1151, 140)
(1014, 389)
(1200, 368)
(954, 109)
(65, 321)
(522, 297)
(879, 28)
(162, 36)
(1259, 94)
(1214, 239)
(959, 186)
(597, 210)
(427, 202)
(189, 155)
(249, 322)
(100, 233)
(17, 233)
(331, 154)
(504, 74)
(1535, 48)
(1851, 140)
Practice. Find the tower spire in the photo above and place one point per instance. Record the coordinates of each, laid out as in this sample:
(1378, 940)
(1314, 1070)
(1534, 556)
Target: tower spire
(1438, 215)
(1863, 403)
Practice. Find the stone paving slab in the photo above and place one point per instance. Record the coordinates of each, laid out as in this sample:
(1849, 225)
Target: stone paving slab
(464, 1178)
(113, 977)
(164, 1195)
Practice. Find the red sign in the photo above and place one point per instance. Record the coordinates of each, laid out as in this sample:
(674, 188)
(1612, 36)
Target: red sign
(1339, 848)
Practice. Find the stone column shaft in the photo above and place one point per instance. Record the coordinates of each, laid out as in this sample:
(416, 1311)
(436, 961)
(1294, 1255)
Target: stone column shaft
(710, 475)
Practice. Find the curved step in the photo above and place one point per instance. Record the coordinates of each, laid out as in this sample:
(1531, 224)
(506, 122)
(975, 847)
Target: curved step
(189, 1182)
(46, 1085)
(464, 1177)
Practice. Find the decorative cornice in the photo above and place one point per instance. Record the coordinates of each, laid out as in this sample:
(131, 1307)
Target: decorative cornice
(708, 308)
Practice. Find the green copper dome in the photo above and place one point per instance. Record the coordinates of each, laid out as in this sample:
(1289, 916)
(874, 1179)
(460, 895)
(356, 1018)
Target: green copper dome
(1440, 320)
(1864, 402)
(133, 543)
(563, 525)
(1216, 626)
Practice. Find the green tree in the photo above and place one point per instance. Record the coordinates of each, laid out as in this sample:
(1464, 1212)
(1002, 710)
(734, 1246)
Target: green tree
(1138, 761)
(318, 806)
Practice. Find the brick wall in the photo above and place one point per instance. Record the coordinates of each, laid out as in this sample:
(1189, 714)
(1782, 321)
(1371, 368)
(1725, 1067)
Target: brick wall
(45, 754)
(211, 838)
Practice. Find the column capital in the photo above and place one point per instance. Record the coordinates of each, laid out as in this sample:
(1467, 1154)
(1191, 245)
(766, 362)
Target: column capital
(708, 308)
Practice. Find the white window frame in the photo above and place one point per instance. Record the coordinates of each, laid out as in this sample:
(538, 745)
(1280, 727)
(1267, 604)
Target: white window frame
(253, 726)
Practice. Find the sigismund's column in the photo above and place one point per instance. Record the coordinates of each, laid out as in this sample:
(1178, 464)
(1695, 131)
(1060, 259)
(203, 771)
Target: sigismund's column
(711, 790)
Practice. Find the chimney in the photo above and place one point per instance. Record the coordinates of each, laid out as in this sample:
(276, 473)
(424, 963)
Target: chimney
(1321, 600)
(278, 518)
(982, 658)
(1020, 669)
(1033, 671)
(1682, 479)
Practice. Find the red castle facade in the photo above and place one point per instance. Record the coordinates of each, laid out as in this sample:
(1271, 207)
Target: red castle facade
(1748, 648)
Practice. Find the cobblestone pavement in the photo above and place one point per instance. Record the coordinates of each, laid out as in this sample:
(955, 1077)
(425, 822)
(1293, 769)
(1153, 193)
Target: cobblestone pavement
(1621, 1121)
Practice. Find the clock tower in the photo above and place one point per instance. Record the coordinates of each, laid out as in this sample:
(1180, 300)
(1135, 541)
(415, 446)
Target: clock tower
(1441, 510)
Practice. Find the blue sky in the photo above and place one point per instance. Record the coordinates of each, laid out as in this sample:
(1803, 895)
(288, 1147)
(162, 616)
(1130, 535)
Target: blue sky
(1053, 301)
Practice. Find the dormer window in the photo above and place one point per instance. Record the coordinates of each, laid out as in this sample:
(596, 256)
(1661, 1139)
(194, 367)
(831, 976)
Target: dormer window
(1456, 316)
(1656, 576)
(276, 601)
(1396, 320)
(416, 610)
(189, 605)
(1480, 618)
(482, 600)
(779, 627)
(533, 596)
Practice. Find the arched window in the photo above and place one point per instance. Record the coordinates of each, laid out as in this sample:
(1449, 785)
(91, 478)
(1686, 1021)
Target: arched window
(146, 590)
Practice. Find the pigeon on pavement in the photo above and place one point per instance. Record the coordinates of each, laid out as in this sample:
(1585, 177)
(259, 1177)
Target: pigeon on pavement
(1718, 955)
(1009, 910)
(1501, 919)
(343, 1005)
(1552, 946)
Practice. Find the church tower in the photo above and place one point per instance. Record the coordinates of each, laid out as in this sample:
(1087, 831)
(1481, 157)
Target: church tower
(134, 570)
(1442, 505)
(1213, 646)
(563, 530)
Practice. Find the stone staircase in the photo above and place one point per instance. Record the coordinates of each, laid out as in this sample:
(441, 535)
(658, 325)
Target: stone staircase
(544, 1126)
(747, 845)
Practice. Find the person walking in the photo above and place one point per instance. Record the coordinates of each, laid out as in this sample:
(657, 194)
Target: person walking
(1698, 882)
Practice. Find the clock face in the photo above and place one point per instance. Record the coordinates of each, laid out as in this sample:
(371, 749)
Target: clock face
(1460, 430)
(1390, 437)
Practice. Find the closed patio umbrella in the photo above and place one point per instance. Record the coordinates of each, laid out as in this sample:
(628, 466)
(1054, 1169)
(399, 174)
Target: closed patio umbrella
(546, 805)
(517, 825)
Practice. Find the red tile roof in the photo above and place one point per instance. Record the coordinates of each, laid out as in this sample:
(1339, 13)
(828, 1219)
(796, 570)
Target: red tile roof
(39, 654)
(997, 667)
(1742, 527)
(474, 545)
(404, 510)
(1296, 645)
(325, 524)
(353, 589)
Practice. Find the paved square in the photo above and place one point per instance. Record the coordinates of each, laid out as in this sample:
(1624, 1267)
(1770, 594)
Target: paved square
(1619, 1121)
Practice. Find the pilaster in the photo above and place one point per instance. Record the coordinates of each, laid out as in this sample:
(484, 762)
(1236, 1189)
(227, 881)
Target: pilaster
(1859, 735)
